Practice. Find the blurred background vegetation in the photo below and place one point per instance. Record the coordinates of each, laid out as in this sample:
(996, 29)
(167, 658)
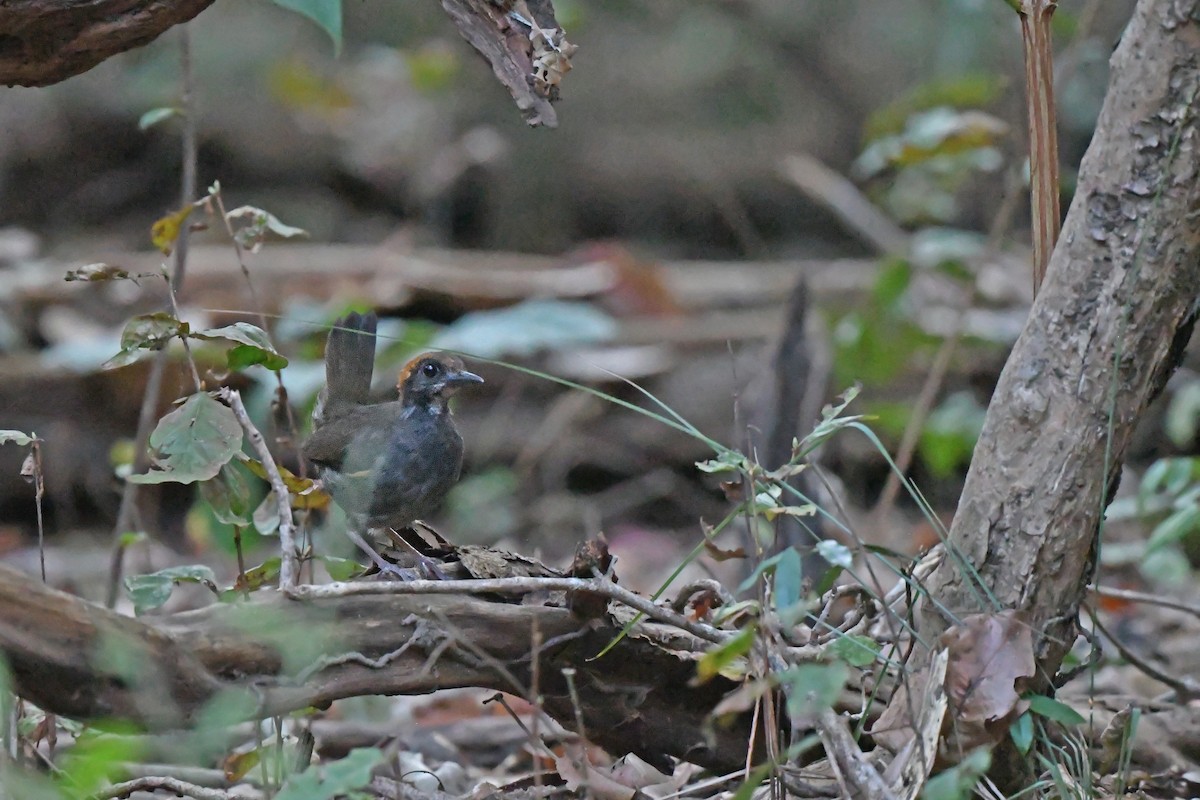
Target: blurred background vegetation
(675, 129)
(673, 124)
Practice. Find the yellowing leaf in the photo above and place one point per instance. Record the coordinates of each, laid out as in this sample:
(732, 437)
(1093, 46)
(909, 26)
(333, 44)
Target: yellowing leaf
(165, 231)
(726, 659)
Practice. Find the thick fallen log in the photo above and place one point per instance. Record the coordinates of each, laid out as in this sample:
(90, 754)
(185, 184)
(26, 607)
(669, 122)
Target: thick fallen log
(81, 660)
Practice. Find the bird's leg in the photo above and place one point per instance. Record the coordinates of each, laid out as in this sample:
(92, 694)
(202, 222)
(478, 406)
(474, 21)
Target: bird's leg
(425, 565)
(385, 566)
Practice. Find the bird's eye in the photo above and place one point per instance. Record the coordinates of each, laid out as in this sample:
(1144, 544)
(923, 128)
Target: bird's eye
(431, 369)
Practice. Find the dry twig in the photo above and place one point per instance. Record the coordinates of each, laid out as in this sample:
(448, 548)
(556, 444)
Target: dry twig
(289, 567)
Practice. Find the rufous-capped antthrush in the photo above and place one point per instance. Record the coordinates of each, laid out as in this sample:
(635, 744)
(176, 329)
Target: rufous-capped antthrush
(391, 463)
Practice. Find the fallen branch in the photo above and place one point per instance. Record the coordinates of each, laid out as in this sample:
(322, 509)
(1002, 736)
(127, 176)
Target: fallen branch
(281, 655)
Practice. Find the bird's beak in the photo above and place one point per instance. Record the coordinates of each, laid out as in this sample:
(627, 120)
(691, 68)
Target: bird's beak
(461, 376)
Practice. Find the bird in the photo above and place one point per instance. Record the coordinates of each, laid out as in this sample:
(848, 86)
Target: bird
(386, 464)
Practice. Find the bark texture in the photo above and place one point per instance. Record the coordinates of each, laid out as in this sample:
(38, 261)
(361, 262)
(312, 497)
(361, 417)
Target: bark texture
(47, 41)
(80, 660)
(1106, 331)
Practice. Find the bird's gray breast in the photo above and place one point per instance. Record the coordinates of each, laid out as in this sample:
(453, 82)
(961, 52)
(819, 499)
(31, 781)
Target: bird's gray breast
(416, 469)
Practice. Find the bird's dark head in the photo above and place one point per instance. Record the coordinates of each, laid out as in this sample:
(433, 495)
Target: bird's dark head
(431, 378)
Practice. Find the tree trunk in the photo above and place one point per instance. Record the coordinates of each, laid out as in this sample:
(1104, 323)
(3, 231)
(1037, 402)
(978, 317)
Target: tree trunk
(1105, 333)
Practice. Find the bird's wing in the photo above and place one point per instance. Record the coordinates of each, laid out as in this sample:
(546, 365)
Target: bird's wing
(354, 439)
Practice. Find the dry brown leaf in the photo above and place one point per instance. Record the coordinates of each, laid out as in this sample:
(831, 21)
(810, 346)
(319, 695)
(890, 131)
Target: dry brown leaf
(990, 657)
(720, 554)
(575, 770)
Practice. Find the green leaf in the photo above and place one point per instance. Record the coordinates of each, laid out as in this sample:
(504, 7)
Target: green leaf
(326, 781)
(255, 578)
(772, 512)
(130, 538)
(326, 13)
(766, 567)
(229, 496)
(15, 437)
(958, 782)
(295, 484)
(767, 497)
(157, 115)
(948, 440)
(928, 135)
(789, 578)
(149, 592)
(240, 332)
(826, 581)
(253, 346)
(835, 553)
(1164, 567)
(1174, 528)
(1021, 732)
(95, 761)
(857, 651)
(725, 462)
(813, 688)
(1050, 708)
(244, 356)
(1169, 475)
(146, 332)
(719, 660)
(1183, 415)
(193, 442)
(341, 569)
(893, 281)
(266, 516)
(431, 68)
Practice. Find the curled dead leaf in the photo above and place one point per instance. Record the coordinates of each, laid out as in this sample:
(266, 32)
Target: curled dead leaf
(990, 659)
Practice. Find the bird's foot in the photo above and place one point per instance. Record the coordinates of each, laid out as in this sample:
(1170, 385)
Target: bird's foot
(430, 569)
(409, 539)
(397, 572)
(426, 568)
(384, 566)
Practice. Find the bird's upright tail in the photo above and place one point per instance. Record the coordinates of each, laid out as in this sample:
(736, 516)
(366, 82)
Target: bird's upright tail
(349, 362)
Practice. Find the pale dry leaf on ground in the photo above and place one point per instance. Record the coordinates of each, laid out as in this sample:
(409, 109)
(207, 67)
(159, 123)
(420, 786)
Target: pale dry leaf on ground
(621, 780)
(990, 656)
